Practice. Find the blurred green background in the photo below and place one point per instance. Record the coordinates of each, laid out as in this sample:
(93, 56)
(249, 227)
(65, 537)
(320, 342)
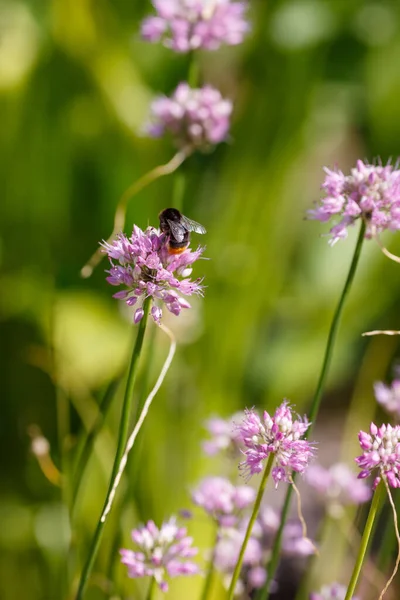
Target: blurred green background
(316, 83)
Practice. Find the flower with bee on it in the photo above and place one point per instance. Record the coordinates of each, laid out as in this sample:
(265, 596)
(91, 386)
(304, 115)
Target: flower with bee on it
(145, 268)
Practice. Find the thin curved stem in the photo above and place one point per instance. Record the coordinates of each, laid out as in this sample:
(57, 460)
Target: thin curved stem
(135, 188)
(381, 332)
(140, 421)
(122, 437)
(273, 564)
(256, 508)
(375, 504)
(385, 251)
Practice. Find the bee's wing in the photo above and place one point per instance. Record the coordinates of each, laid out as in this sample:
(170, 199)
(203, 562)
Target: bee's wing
(193, 225)
(178, 231)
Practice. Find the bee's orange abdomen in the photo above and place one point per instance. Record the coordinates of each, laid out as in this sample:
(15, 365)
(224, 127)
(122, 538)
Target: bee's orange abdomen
(176, 250)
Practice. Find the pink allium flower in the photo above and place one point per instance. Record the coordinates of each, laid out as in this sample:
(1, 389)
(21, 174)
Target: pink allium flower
(185, 25)
(196, 118)
(381, 452)
(160, 552)
(221, 499)
(143, 266)
(257, 554)
(224, 435)
(389, 396)
(370, 192)
(279, 435)
(338, 485)
(335, 591)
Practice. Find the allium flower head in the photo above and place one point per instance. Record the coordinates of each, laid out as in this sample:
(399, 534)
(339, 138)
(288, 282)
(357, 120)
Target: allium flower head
(338, 485)
(279, 435)
(381, 453)
(142, 265)
(258, 551)
(222, 500)
(196, 118)
(224, 435)
(160, 552)
(186, 25)
(370, 192)
(389, 396)
(335, 591)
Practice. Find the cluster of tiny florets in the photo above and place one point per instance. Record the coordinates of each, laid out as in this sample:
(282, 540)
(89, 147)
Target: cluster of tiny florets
(160, 552)
(224, 435)
(195, 118)
(370, 192)
(381, 454)
(253, 575)
(142, 265)
(185, 25)
(221, 499)
(279, 435)
(338, 485)
(388, 396)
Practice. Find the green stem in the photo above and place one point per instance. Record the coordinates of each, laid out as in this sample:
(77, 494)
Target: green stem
(210, 570)
(193, 71)
(375, 504)
(122, 438)
(260, 493)
(273, 564)
(151, 589)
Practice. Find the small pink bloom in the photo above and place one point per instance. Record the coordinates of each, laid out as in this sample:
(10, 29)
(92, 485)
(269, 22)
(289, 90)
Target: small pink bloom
(370, 192)
(279, 435)
(220, 498)
(142, 265)
(381, 454)
(160, 552)
(198, 118)
(186, 25)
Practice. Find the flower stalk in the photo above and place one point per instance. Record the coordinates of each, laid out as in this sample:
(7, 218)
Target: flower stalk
(122, 438)
(375, 505)
(151, 589)
(273, 564)
(253, 517)
(211, 568)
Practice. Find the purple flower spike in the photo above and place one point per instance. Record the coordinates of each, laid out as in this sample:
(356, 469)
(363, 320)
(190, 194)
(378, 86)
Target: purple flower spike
(220, 499)
(185, 25)
(196, 118)
(370, 192)
(143, 266)
(161, 552)
(389, 396)
(279, 435)
(381, 452)
(335, 591)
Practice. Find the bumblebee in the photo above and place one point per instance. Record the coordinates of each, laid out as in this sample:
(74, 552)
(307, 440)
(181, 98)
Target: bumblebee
(177, 228)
